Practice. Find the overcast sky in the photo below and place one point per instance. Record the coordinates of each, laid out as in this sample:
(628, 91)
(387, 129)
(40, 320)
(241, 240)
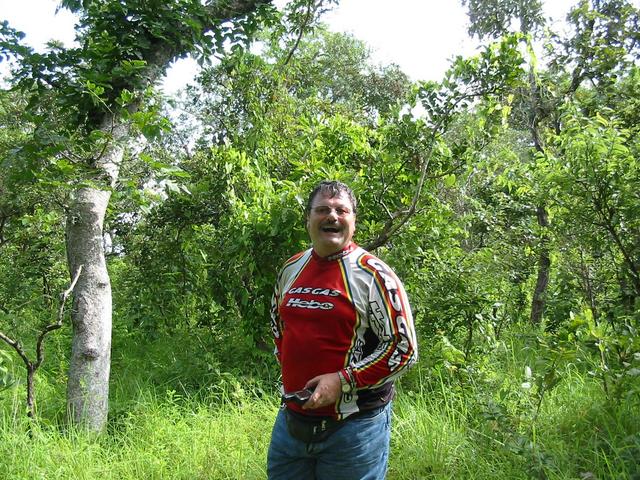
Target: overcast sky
(421, 36)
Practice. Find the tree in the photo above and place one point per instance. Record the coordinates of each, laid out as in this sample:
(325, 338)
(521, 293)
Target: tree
(493, 18)
(86, 104)
(267, 128)
(583, 74)
(275, 133)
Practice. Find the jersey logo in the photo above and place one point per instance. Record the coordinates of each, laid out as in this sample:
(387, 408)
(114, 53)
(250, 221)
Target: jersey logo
(311, 304)
(315, 291)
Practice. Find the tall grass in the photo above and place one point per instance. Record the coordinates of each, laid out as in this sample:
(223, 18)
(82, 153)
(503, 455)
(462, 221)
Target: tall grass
(578, 434)
(159, 438)
(216, 424)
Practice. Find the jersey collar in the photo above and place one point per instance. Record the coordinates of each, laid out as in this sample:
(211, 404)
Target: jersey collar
(336, 256)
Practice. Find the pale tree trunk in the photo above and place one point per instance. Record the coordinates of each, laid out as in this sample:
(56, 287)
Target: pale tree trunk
(88, 383)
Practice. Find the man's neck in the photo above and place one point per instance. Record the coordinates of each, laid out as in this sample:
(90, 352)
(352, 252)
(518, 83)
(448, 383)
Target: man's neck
(337, 254)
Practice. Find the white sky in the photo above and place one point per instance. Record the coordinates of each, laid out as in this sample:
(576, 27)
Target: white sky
(421, 36)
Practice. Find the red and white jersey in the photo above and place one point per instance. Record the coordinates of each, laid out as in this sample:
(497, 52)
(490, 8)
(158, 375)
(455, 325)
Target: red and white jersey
(345, 310)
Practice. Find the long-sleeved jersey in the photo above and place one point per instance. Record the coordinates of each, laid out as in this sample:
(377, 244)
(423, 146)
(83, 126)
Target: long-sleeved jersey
(345, 311)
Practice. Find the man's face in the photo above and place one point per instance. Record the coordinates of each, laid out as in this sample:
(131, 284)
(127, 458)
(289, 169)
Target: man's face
(331, 223)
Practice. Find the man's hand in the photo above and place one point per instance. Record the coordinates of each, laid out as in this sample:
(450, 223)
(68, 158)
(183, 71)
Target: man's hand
(327, 390)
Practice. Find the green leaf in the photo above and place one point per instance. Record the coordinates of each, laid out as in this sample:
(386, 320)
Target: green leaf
(450, 180)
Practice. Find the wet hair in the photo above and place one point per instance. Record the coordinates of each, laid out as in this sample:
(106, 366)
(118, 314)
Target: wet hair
(331, 189)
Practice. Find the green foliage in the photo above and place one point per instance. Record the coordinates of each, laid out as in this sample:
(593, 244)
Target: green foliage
(492, 17)
(605, 41)
(526, 401)
(468, 256)
(610, 349)
(84, 102)
(599, 179)
(6, 374)
(240, 214)
(31, 242)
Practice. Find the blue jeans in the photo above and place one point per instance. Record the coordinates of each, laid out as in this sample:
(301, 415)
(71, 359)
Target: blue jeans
(359, 450)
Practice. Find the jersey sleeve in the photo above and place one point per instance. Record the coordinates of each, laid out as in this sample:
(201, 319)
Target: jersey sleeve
(276, 322)
(391, 321)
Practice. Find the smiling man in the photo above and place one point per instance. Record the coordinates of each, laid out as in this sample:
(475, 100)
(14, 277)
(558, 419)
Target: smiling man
(343, 332)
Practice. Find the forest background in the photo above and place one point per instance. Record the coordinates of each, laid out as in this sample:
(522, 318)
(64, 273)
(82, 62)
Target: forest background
(505, 195)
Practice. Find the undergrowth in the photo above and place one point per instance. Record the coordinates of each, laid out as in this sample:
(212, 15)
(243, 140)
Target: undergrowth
(208, 418)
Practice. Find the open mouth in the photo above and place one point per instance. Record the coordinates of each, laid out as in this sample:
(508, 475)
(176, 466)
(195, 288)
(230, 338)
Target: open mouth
(330, 229)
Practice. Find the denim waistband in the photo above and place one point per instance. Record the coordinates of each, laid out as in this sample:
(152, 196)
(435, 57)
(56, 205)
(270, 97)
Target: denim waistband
(319, 419)
(368, 413)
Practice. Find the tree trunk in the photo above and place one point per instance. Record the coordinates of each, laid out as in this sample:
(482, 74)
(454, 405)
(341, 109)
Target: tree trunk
(544, 267)
(469, 342)
(544, 256)
(88, 383)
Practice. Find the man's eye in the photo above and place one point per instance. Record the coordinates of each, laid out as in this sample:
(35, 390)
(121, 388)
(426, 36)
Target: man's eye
(326, 210)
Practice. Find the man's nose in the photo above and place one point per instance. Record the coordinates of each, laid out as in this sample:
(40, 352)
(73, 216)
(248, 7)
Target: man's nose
(333, 213)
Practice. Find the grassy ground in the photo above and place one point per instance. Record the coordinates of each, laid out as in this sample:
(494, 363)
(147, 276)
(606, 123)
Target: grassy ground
(157, 441)
(443, 428)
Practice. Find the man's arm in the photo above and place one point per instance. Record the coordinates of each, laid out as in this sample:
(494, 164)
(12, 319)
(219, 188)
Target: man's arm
(390, 319)
(276, 322)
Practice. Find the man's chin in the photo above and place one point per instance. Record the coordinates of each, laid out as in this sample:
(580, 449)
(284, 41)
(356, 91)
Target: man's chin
(336, 243)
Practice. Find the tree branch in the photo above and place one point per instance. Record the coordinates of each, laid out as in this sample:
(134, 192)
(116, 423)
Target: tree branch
(312, 7)
(389, 228)
(17, 346)
(58, 323)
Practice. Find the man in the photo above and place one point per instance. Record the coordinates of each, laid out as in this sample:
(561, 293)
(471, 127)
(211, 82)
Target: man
(343, 330)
